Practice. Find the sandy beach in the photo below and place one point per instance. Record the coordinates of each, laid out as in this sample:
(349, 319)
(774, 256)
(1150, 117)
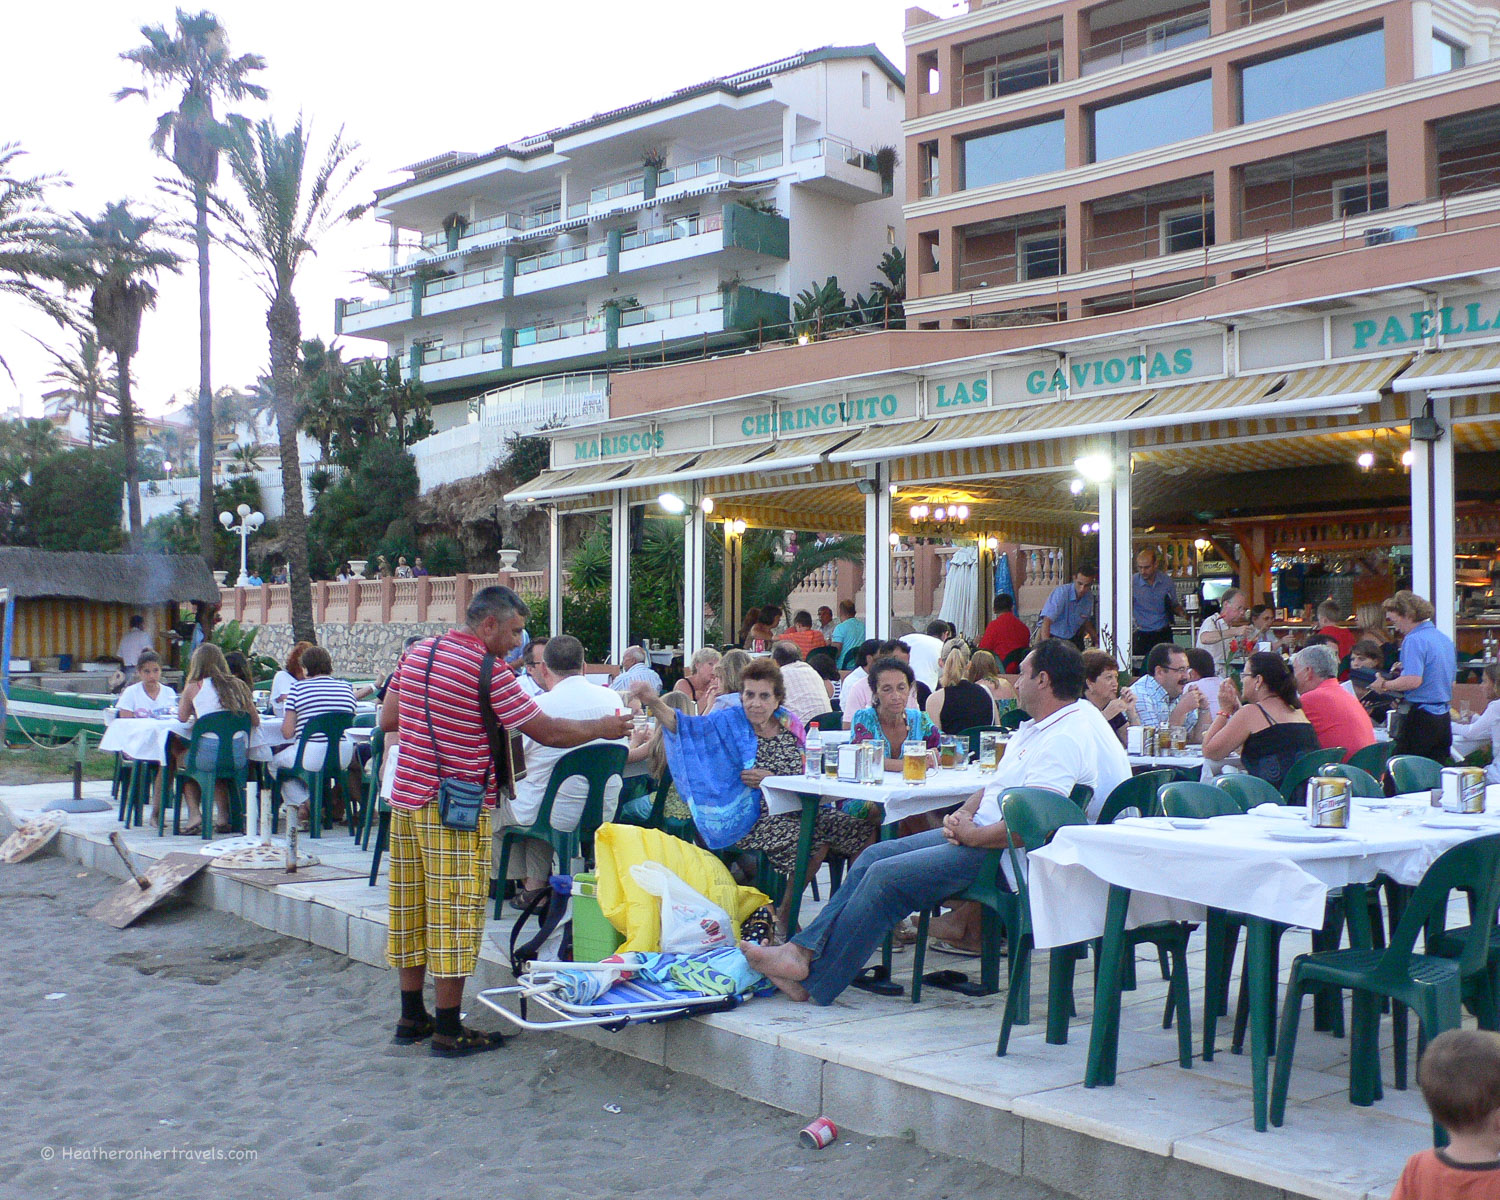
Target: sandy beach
(199, 1055)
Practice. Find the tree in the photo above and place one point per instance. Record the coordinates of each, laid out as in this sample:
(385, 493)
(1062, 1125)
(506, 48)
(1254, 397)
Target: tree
(368, 510)
(83, 372)
(886, 304)
(289, 208)
(74, 500)
(32, 238)
(120, 261)
(348, 406)
(820, 308)
(23, 445)
(196, 58)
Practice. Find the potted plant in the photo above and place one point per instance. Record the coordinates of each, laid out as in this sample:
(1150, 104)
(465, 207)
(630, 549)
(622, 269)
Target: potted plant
(454, 225)
(886, 162)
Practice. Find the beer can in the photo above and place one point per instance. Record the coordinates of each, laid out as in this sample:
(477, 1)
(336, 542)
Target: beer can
(1328, 802)
(819, 1134)
(1463, 789)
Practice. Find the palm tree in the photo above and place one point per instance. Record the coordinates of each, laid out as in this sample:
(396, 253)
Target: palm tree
(290, 206)
(195, 57)
(121, 260)
(82, 372)
(32, 238)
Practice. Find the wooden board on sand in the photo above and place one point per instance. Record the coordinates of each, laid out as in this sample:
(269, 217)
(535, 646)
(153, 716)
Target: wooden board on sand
(129, 901)
(29, 838)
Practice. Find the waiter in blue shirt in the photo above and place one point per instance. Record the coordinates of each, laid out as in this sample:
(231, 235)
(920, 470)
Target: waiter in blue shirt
(1069, 610)
(1153, 605)
(1424, 679)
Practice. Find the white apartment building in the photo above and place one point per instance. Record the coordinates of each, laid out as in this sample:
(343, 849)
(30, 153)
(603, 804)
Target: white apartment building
(664, 229)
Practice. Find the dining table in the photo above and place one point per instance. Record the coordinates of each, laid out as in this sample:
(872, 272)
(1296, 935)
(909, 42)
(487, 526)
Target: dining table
(1267, 866)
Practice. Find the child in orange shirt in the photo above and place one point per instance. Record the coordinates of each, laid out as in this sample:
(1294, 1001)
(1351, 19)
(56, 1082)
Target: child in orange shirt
(1460, 1079)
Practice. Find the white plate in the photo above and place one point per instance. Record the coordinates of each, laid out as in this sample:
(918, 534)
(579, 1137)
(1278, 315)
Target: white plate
(1447, 820)
(1304, 835)
(1187, 822)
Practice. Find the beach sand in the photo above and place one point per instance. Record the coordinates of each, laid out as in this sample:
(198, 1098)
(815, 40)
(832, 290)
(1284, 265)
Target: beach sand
(229, 1061)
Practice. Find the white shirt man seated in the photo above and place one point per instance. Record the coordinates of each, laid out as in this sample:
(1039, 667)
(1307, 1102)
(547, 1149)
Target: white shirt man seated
(635, 664)
(567, 694)
(926, 651)
(807, 692)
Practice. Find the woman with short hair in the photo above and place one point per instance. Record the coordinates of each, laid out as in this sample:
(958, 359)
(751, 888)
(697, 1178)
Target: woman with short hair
(697, 679)
(317, 694)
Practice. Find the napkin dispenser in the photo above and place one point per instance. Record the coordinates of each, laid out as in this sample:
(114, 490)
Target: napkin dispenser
(1134, 739)
(849, 763)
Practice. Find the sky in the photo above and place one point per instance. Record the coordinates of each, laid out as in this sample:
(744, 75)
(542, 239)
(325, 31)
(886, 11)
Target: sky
(406, 82)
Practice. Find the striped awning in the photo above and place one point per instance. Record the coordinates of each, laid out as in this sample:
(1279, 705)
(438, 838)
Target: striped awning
(568, 481)
(1472, 366)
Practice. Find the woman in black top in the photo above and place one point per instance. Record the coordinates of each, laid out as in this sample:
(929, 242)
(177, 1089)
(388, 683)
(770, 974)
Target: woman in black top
(958, 704)
(1269, 728)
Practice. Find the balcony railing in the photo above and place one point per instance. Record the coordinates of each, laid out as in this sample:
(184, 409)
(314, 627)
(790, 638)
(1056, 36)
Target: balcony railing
(351, 307)
(684, 227)
(456, 283)
(1252, 11)
(1476, 171)
(565, 256)
(688, 306)
(450, 351)
(556, 331)
(1143, 43)
(515, 222)
(721, 164)
(618, 190)
(835, 148)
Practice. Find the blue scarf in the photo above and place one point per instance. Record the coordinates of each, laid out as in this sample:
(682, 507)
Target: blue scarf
(706, 755)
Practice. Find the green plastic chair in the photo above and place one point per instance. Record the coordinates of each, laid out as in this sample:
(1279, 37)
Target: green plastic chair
(1373, 758)
(134, 779)
(973, 732)
(322, 782)
(377, 807)
(1139, 792)
(1294, 785)
(1413, 773)
(1011, 663)
(1013, 719)
(829, 720)
(218, 748)
(1199, 800)
(1082, 795)
(1429, 984)
(1249, 791)
(596, 765)
(1361, 783)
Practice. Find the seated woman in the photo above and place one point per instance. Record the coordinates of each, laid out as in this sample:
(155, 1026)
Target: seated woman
(889, 721)
(281, 684)
(1479, 733)
(779, 741)
(148, 696)
(1269, 729)
(638, 794)
(1372, 626)
(697, 679)
(1101, 688)
(210, 688)
(763, 631)
(1366, 661)
(316, 694)
(723, 689)
(959, 703)
(984, 669)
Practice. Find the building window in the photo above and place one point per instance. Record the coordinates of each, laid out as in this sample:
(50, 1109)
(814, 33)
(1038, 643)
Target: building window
(1039, 256)
(1008, 154)
(890, 92)
(864, 88)
(1349, 66)
(1155, 119)
(1447, 55)
(927, 253)
(890, 235)
(1362, 194)
(1022, 74)
(928, 182)
(927, 73)
(1187, 229)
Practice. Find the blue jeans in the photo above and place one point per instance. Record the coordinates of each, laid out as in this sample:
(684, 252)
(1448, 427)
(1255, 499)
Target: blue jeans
(888, 881)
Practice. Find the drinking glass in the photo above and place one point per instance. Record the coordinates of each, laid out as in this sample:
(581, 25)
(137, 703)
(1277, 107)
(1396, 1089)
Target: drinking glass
(1179, 739)
(830, 761)
(990, 750)
(914, 762)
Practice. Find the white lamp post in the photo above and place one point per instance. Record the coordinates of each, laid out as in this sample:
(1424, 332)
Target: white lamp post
(249, 523)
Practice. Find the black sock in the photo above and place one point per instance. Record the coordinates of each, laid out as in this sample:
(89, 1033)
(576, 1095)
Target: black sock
(412, 1008)
(446, 1024)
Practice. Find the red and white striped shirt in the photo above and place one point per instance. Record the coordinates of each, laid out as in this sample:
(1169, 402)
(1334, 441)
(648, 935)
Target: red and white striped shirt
(456, 716)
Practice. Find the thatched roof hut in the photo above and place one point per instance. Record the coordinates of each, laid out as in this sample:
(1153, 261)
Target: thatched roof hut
(81, 604)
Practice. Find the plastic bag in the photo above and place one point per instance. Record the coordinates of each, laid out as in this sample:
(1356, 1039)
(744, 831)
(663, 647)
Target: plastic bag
(690, 922)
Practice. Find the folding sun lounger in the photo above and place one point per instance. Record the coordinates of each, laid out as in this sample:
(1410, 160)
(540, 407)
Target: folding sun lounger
(627, 1002)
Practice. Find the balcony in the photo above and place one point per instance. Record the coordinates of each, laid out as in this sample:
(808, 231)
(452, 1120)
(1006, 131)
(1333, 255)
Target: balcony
(728, 165)
(1156, 36)
(1013, 62)
(1468, 153)
(1014, 250)
(1252, 11)
(358, 315)
(1174, 218)
(1313, 187)
(834, 167)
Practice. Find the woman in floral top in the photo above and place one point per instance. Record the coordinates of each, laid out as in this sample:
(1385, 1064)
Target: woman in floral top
(891, 720)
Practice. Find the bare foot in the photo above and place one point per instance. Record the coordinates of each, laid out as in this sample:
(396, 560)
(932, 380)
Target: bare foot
(790, 988)
(778, 963)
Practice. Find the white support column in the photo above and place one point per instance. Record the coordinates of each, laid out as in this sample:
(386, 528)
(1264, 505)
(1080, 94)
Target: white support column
(1116, 563)
(734, 601)
(694, 584)
(554, 572)
(878, 598)
(619, 622)
(1432, 502)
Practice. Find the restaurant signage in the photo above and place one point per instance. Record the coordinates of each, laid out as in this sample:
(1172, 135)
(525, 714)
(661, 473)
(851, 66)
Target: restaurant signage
(1410, 327)
(1128, 368)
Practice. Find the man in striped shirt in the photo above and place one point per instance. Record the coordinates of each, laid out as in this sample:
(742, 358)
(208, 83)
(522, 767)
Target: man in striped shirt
(440, 876)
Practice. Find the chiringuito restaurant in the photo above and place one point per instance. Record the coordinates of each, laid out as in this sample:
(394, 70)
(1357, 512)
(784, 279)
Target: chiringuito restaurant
(1340, 447)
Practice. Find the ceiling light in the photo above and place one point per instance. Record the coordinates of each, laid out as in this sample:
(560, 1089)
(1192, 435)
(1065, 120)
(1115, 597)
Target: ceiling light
(895, 540)
(1075, 486)
(1096, 468)
(671, 502)
(1366, 460)
(940, 513)
(992, 544)
(1406, 458)
(707, 505)
(1084, 528)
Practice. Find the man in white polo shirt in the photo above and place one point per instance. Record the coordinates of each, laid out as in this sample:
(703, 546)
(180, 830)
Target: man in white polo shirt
(1067, 743)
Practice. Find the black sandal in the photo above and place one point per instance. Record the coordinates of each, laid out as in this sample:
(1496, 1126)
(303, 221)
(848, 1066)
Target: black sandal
(469, 1041)
(409, 1032)
(524, 896)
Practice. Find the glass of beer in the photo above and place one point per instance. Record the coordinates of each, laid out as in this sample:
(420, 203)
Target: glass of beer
(990, 749)
(948, 753)
(1179, 739)
(914, 762)
(830, 760)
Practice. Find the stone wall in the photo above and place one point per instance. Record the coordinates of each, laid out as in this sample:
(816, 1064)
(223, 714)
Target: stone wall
(367, 649)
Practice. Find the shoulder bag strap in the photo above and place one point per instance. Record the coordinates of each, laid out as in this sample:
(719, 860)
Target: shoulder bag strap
(427, 706)
(496, 743)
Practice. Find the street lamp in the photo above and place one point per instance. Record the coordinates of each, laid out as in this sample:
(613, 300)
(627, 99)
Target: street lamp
(249, 523)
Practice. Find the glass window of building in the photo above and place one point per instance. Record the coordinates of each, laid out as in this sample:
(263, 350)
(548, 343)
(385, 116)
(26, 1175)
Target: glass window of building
(1353, 197)
(1155, 119)
(1314, 75)
(1446, 55)
(1040, 256)
(1187, 229)
(1008, 154)
(1020, 75)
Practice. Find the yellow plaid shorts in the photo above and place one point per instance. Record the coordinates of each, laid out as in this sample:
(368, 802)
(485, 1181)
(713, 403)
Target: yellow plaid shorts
(440, 878)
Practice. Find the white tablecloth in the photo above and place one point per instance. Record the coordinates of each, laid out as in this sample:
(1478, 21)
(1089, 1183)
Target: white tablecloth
(901, 799)
(1230, 863)
(146, 737)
